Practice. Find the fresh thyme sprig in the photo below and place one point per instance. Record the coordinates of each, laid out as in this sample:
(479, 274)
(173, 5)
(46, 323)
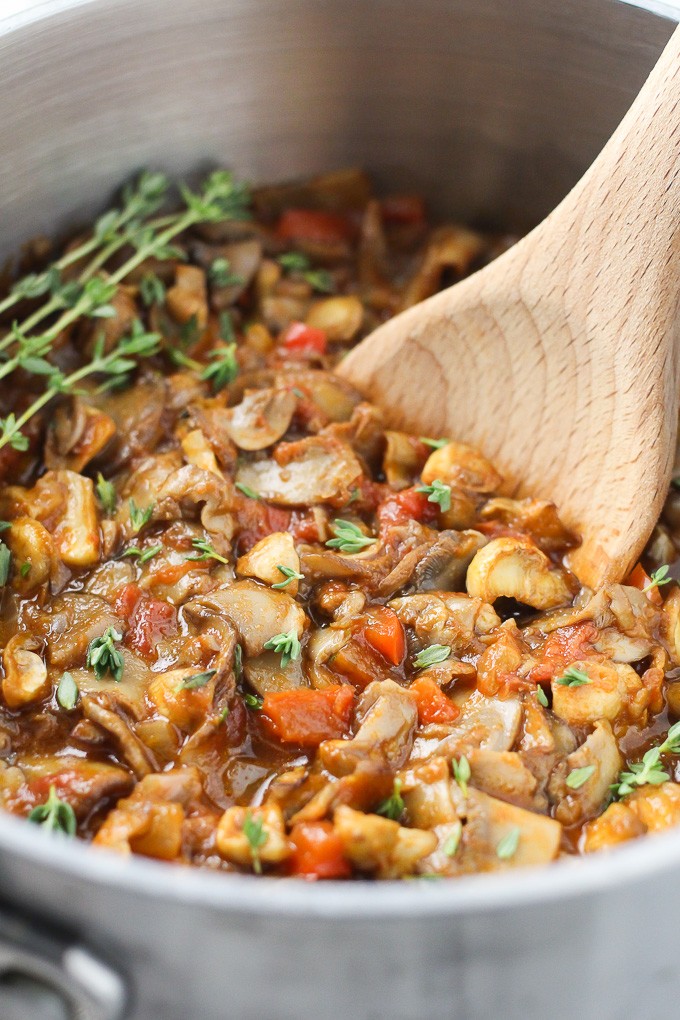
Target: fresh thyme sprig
(438, 492)
(254, 832)
(573, 677)
(650, 770)
(55, 815)
(431, 655)
(116, 366)
(318, 279)
(393, 806)
(286, 645)
(90, 295)
(289, 575)
(348, 537)
(103, 657)
(658, 578)
(205, 551)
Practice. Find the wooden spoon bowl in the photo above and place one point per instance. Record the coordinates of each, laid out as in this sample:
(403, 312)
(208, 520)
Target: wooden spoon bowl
(559, 361)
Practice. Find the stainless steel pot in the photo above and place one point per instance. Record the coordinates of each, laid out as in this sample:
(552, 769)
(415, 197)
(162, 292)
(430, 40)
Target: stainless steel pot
(493, 109)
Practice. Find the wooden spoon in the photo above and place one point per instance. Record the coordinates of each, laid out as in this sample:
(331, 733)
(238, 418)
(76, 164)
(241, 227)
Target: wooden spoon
(559, 361)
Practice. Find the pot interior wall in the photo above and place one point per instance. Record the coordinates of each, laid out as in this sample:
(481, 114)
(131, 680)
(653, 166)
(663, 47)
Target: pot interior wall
(492, 109)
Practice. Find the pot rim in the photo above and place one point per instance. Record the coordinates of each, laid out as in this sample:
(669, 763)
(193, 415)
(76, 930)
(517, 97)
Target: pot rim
(564, 880)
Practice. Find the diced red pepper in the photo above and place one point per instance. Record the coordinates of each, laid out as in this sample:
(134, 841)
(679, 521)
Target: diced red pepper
(433, 705)
(385, 633)
(407, 505)
(299, 338)
(306, 717)
(563, 646)
(317, 852)
(314, 225)
(304, 526)
(639, 578)
(256, 520)
(152, 620)
(127, 599)
(403, 209)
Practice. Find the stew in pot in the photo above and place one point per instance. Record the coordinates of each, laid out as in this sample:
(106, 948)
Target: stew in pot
(246, 625)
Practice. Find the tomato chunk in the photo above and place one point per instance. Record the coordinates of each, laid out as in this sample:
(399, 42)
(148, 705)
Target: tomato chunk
(152, 620)
(433, 705)
(564, 646)
(317, 852)
(407, 505)
(127, 599)
(299, 338)
(256, 520)
(306, 717)
(313, 225)
(386, 634)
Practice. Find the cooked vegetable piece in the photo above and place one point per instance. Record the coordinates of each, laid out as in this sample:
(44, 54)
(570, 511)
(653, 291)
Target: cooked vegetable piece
(307, 717)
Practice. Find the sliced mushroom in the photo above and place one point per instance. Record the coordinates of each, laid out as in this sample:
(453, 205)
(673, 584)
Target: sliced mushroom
(450, 247)
(364, 432)
(447, 619)
(613, 689)
(389, 717)
(151, 819)
(670, 625)
(190, 488)
(430, 796)
(544, 740)
(339, 317)
(188, 298)
(257, 613)
(463, 467)
(65, 503)
(379, 845)
(490, 821)
(402, 460)
(261, 419)
(78, 433)
(30, 543)
(266, 557)
(334, 398)
(175, 698)
(265, 674)
(491, 724)
(502, 774)
(600, 753)
(620, 647)
(233, 842)
(501, 658)
(101, 709)
(538, 517)
(243, 257)
(25, 679)
(198, 451)
(313, 470)
(517, 569)
(444, 566)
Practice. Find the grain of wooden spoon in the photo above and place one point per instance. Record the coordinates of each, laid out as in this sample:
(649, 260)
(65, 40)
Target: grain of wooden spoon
(560, 360)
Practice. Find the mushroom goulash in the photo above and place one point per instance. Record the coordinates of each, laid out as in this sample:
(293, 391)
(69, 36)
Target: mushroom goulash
(246, 625)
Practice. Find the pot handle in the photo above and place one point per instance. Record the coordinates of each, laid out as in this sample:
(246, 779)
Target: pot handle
(44, 973)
